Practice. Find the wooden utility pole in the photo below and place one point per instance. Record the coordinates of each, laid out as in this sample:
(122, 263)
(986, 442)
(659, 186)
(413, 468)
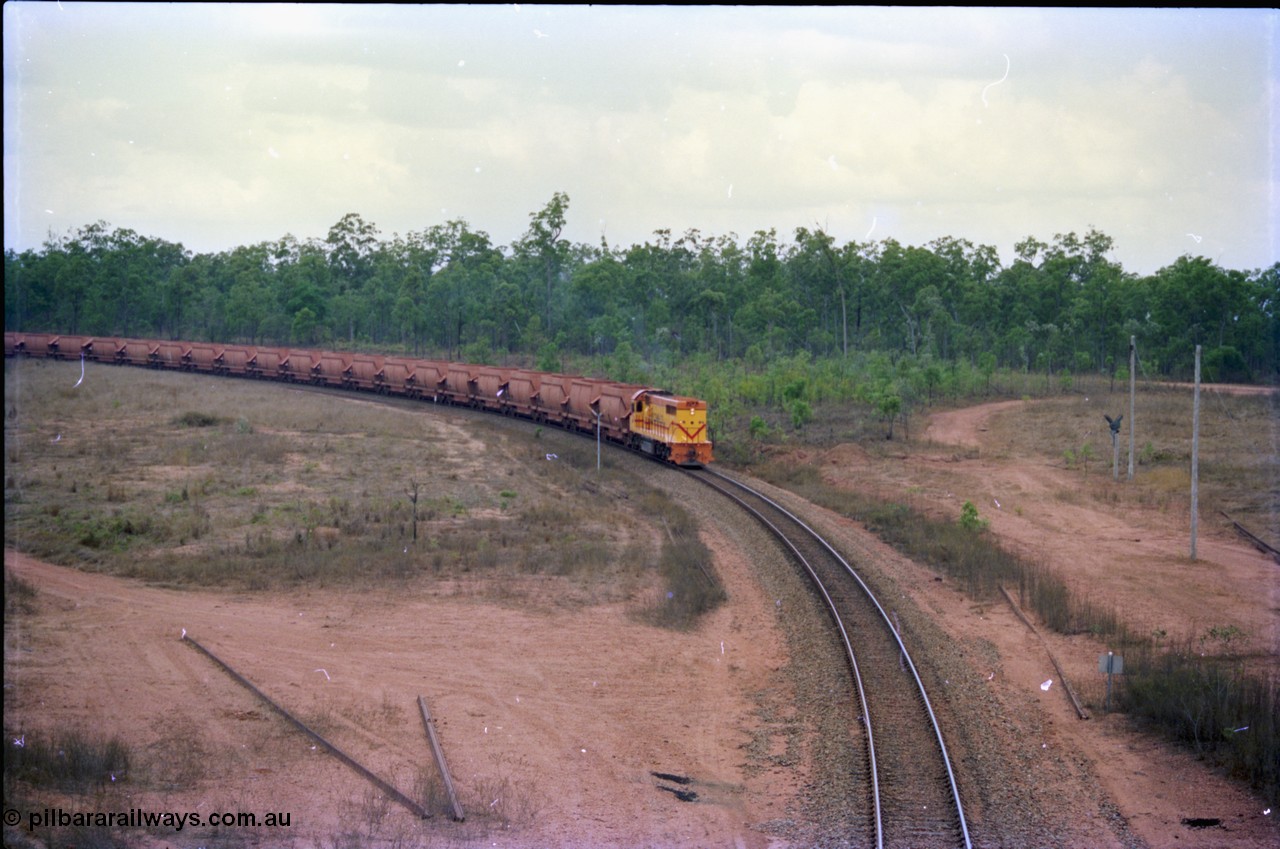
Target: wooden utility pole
(1195, 459)
(1133, 365)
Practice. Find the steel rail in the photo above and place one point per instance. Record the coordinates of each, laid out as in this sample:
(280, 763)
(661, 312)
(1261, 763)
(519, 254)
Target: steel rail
(1253, 539)
(360, 768)
(905, 654)
(844, 637)
(699, 474)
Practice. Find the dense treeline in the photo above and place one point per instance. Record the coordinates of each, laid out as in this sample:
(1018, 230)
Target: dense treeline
(1060, 307)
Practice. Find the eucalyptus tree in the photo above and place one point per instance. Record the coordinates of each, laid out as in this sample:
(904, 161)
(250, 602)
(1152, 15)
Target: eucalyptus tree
(1014, 295)
(83, 292)
(179, 283)
(966, 324)
(466, 263)
(245, 275)
(544, 253)
(302, 290)
(769, 312)
(382, 289)
(102, 280)
(817, 273)
(1196, 302)
(127, 299)
(31, 288)
(1264, 355)
(419, 256)
(597, 308)
(911, 307)
(698, 293)
(660, 269)
(717, 283)
(159, 260)
(861, 263)
(352, 243)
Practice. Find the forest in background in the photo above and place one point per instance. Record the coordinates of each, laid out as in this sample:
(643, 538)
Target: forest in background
(768, 321)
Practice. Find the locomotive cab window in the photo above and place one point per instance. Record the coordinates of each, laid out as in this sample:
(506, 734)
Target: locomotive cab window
(671, 411)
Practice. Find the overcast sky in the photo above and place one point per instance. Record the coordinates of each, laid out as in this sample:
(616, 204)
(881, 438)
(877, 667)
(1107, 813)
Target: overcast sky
(224, 125)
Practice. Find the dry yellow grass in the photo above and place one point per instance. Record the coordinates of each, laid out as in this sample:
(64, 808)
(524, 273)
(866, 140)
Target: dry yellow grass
(1239, 467)
(195, 480)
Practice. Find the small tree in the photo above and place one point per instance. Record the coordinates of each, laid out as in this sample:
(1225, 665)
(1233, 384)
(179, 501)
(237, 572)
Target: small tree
(969, 519)
(1120, 373)
(987, 367)
(801, 414)
(932, 379)
(889, 405)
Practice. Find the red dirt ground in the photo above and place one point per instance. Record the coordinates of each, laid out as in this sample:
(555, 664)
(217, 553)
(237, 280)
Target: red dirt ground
(553, 721)
(1135, 559)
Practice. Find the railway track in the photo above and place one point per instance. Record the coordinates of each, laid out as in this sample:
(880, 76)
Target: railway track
(912, 801)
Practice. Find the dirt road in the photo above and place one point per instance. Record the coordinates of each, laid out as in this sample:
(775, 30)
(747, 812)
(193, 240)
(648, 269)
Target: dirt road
(1132, 558)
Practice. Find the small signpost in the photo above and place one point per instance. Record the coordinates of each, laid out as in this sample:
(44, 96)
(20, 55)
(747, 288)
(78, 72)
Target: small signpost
(1111, 664)
(1115, 444)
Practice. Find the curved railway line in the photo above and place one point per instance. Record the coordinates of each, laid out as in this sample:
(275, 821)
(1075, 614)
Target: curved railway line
(912, 798)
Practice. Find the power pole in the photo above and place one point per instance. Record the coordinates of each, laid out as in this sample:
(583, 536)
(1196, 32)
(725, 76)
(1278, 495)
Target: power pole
(1195, 459)
(1133, 363)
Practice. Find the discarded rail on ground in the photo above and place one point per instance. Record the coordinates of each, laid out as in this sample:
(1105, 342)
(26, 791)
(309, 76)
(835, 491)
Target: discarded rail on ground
(381, 784)
(1254, 540)
(438, 751)
(1062, 676)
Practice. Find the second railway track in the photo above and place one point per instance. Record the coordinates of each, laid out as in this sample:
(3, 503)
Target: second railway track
(912, 801)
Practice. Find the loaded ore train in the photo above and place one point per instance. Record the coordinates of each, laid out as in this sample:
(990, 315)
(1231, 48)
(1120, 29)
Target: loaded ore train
(666, 426)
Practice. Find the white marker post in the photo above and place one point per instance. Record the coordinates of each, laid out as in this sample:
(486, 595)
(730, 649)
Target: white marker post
(597, 440)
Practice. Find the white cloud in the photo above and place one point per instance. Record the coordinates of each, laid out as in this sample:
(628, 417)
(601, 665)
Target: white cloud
(1143, 123)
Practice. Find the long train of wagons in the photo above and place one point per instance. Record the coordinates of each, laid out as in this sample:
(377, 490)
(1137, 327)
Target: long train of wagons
(666, 426)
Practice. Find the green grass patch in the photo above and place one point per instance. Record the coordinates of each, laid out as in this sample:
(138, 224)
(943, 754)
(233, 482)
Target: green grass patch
(68, 760)
(192, 418)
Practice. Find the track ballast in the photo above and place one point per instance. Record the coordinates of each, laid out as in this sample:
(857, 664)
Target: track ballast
(912, 801)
